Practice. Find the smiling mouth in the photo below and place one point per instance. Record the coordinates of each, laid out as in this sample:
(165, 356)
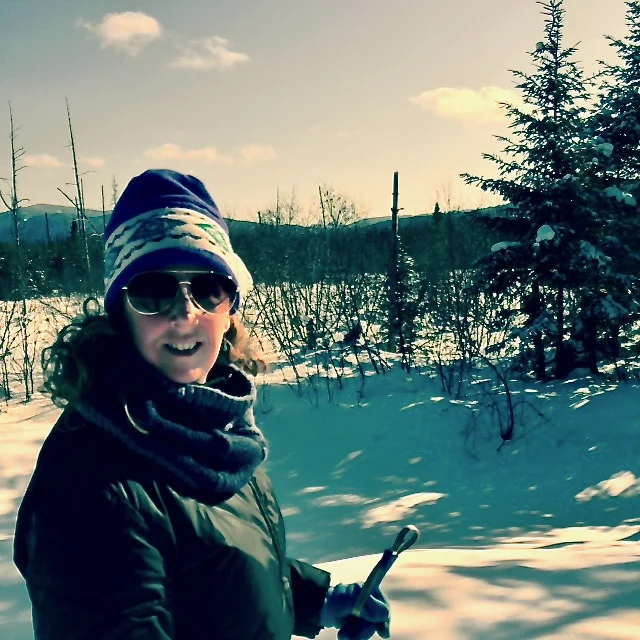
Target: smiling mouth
(183, 348)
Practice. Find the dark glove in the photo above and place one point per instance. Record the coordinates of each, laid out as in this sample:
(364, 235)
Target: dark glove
(339, 603)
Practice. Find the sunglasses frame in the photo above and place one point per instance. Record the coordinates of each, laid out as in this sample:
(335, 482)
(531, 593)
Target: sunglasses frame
(178, 274)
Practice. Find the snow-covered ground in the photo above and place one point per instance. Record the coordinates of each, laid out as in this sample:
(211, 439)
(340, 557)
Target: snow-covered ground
(537, 539)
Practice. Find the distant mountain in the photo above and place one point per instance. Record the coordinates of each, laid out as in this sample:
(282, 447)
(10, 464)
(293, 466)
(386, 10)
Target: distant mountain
(417, 220)
(34, 219)
(32, 223)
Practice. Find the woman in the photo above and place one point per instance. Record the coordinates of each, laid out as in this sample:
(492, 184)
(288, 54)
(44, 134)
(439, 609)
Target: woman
(149, 514)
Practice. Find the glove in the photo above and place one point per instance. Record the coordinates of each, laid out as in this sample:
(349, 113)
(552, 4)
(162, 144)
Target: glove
(339, 603)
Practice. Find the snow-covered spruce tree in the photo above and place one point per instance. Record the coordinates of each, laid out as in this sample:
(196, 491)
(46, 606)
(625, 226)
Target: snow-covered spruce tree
(406, 298)
(615, 174)
(616, 119)
(555, 249)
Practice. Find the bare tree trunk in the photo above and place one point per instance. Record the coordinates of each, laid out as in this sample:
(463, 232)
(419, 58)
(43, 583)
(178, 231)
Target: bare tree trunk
(46, 222)
(535, 309)
(394, 315)
(114, 192)
(562, 357)
(324, 217)
(14, 206)
(104, 214)
(80, 213)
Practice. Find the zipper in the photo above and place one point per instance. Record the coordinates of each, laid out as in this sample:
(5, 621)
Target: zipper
(274, 539)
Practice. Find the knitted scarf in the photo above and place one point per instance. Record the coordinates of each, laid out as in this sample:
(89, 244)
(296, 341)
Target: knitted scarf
(201, 439)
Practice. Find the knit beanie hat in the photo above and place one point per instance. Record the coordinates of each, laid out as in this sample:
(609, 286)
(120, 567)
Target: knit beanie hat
(167, 218)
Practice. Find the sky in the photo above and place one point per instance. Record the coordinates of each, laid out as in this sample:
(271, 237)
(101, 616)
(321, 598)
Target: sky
(538, 539)
(270, 100)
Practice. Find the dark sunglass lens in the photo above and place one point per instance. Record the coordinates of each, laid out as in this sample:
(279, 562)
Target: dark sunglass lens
(152, 292)
(212, 292)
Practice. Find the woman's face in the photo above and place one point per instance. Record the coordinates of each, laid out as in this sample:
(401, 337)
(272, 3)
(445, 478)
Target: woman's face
(184, 342)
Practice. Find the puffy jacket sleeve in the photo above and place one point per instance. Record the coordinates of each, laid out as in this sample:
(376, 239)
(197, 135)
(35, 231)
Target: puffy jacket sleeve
(92, 571)
(309, 586)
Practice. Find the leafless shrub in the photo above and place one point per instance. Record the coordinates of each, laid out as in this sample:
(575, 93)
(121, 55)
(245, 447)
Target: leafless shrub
(322, 330)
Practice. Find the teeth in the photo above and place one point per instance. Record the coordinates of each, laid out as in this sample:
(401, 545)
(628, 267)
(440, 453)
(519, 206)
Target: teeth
(183, 346)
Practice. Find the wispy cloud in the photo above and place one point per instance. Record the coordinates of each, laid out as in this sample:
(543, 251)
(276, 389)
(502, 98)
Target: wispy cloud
(207, 54)
(95, 162)
(257, 152)
(354, 133)
(477, 106)
(128, 31)
(42, 161)
(169, 151)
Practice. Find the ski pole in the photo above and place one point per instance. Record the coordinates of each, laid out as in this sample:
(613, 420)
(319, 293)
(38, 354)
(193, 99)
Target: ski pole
(405, 539)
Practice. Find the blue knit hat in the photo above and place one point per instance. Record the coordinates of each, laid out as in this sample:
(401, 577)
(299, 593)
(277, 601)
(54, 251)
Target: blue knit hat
(164, 217)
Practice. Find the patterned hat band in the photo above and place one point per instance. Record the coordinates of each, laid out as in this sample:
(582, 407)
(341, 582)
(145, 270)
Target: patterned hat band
(182, 234)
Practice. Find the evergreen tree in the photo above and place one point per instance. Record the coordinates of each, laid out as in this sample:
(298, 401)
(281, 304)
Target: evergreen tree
(615, 127)
(554, 231)
(616, 120)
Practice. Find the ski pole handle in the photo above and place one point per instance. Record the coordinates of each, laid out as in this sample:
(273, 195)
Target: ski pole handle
(405, 539)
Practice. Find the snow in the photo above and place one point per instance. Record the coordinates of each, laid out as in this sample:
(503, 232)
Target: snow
(537, 539)
(397, 510)
(613, 192)
(623, 483)
(545, 232)
(590, 252)
(605, 148)
(620, 196)
(499, 246)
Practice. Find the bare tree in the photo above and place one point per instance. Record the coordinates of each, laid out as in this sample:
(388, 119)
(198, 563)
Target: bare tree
(114, 192)
(13, 206)
(104, 212)
(337, 209)
(78, 202)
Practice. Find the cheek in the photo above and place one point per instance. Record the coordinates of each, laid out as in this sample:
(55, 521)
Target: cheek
(144, 330)
(216, 327)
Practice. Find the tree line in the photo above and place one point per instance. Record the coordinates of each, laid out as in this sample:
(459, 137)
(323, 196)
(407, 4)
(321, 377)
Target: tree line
(546, 283)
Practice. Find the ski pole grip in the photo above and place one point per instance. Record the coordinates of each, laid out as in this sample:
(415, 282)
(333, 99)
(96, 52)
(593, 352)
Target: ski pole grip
(405, 539)
(352, 624)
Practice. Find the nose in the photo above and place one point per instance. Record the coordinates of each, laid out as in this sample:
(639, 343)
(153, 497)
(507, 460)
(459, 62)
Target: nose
(183, 307)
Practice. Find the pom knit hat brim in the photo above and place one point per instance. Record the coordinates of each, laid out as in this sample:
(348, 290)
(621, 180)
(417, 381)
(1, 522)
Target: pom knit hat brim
(165, 218)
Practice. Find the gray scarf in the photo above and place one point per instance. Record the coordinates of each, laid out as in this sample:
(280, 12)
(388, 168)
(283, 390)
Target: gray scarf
(201, 439)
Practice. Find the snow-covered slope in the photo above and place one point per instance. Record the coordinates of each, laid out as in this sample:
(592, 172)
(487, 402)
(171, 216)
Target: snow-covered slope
(537, 539)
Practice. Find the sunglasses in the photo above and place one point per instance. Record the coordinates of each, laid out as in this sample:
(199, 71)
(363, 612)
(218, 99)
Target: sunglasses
(154, 292)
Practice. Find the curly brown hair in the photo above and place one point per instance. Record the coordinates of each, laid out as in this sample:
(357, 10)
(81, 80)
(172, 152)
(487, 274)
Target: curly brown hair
(71, 365)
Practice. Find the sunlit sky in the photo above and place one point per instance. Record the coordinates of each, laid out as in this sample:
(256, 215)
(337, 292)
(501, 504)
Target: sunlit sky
(260, 98)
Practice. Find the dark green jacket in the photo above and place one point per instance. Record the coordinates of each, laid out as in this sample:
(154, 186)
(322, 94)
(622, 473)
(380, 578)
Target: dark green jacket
(108, 552)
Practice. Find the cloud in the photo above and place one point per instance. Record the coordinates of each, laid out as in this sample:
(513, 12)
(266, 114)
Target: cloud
(206, 155)
(468, 105)
(129, 31)
(353, 133)
(95, 162)
(207, 54)
(257, 152)
(42, 161)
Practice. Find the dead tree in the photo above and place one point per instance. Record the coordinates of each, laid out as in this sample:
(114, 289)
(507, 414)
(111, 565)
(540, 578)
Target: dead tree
(13, 206)
(78, 203)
